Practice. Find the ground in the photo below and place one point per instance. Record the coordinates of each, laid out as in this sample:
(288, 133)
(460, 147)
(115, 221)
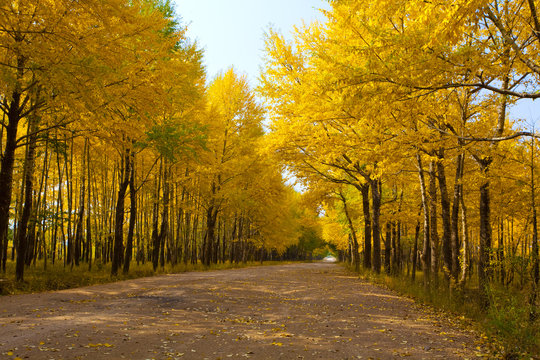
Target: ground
(298, 311)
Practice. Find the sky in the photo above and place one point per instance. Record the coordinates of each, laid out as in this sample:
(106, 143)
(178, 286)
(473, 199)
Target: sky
(231, 32)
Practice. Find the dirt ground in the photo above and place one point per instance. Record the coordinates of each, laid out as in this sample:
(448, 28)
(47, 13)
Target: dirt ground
(299, 311)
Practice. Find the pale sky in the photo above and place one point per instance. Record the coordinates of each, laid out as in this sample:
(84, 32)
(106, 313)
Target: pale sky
(231, 32)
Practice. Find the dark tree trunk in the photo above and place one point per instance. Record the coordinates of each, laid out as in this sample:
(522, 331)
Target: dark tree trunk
(28, 203)
(164, 230)
(367, 225)
(88, 217)
(15, 112)
(211, 217)
(434, 236)
(80, 216)
(132, 216)
(376, 200)
(533, 314)
(6, 170)
(458, 191)
(355, 252)
(445, 214)
(484, 255)
(426, 248)
(415, 251)
(118, 248)
(388, 249)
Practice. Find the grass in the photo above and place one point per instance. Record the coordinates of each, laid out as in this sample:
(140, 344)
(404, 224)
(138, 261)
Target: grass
(505, 323)
(58, 277)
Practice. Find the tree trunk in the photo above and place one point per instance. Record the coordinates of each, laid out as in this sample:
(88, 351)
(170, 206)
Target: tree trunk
(534, 251)
(388, 248)
(484, 255)
(376, 200)
(426, 248)
(80, 215)
(445, 214)
(464, 252)
(458, 191)
(367, 225)
(88, 217)
(211, 217)
(434, 236)
(15, 111)
(132, 215)
(28, 199)
(164, 230)
(415, 251)
(355, 250)
(118, 247)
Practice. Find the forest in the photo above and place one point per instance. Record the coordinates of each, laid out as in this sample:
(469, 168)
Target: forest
(394, 117)
(115, 149)
(397, 115)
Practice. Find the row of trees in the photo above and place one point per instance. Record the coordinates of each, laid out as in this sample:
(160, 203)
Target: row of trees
(113, 147)
(395, 114)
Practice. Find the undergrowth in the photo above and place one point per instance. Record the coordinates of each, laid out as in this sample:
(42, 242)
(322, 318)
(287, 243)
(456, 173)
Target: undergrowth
(58, 277)
(505, 323)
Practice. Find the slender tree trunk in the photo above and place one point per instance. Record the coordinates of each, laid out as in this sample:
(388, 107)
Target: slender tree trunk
(132, 215)
(211, 217)
(388, 248)
(155, 221)
(415, 251)
(465, 246)
(88, 212)
(118, 247)
(485, 248)
(355, 252)
(80, 216)
(458, 190)
(164, 229)
(434, 236)
(533, 313)
(15, 110)
(445, 214)
(44, 185)
(484, 256)
(69, 189)
(367, 225)
(376, 201)
(426, 248)
(28, 203)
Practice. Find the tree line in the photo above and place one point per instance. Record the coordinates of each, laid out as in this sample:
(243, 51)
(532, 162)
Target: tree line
(396, 116)
(115, 149)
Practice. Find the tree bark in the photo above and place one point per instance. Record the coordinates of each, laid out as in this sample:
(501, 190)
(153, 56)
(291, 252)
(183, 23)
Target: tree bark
(484, 255)
(367, 225)
(533, 314)
(415, 251)
(118, 247)
(355, 250)
(434, 236)
(458, 191)
(376, 201)
(28, 202)
(426, 248)
(132, 215)
(445, 214)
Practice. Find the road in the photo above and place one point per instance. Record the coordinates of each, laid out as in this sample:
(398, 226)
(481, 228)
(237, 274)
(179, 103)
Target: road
(298, 311)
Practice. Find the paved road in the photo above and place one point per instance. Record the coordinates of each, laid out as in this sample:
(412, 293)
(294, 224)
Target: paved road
(299, 311)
